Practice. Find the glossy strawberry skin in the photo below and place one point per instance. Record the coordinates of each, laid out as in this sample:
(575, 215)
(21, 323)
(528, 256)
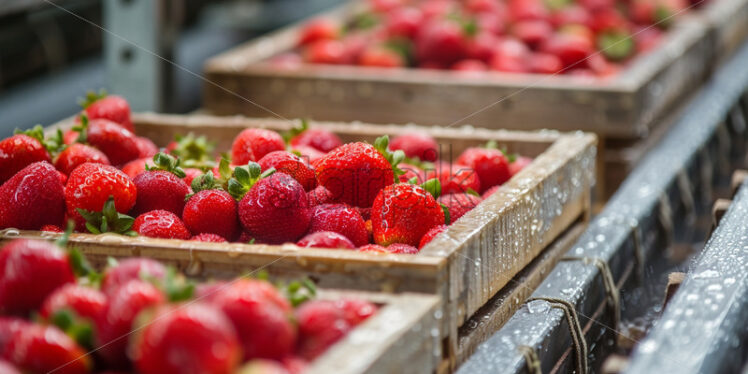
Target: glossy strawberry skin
(319, 139)
(17, 152)
(77, 154)
(131, 269)
(342, 219)
(325, 239)
(118, 144)
(324, 322)
(275, 210)
(414, 145)
(403, 213)
(182, 339)
(191, 174)
(86, 302)
(22, 289)
(159, 190)
(330, 52)
(32, 198)
(455, 178)
(289, 163)
(90, 185)
(8, 368)
(207, 237)
(8, 327)
(161, 224)
(520, 163)
(491, 166)
(354, 173)
(44, 349)
(146, 147)
(441, 41)
(113, 108)
(431, 234)
(261, 317)
(116, 325)
(459, 204)
(213, 212)
(318, 29)
(254, 144)
(319, 196)
(135, 167)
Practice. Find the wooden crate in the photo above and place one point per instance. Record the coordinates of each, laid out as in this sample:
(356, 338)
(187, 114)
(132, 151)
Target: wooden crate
(477, 256)
(625, 106)
(728, 25)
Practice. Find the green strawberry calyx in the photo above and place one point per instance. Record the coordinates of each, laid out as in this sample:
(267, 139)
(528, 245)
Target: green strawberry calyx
(78, 328)
(82, 128)
(492, 144)
(91, 97)
(245, 177)
(81, 267)
(296, 130)
(53, 144)
(108, 220)
(381, 144)
(165, 162)
(194, 151)
(616, 45)
(299, 292)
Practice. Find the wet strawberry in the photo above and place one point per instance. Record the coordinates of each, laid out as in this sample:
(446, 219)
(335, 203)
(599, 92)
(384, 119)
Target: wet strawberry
(517, 165)
(319, 29)
(308, 154)
(441, 41)
(354, 173)
(325, 52)
(519, 10)
(190, 174)
(402, 248)
(381, 56)
(135, 167)
(8, 368)
(319, 196)
(21, 263)
(32, 198)
(161, 224)
(489, 192)
(469, 66)
(356, 311)
(317, 138)
(51, 228)
(289, 163)
(510, 55)
(455, 178)
(261, 316)
(19, 151)
(491, 166)
(206, 237)
(8, 327)
(341, 219)
(109, 107)
(431, 234)
(85, 302)
(532, 32)
(325, 239)
(416, 145)
(254, 144)
(324, 322)
(570, 48)
(571, 14)
(90, 186)
(212, 212)
(118, 144)
(458, 204)
(403, 22)
(161, 187)
(403, 213)
(376, 248)
(77, 154)
(545, 63)
(190, 339)
(130, 269)
(146, 147)
(45, 349)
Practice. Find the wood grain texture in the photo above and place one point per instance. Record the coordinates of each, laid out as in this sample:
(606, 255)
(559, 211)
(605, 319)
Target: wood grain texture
(728, 25)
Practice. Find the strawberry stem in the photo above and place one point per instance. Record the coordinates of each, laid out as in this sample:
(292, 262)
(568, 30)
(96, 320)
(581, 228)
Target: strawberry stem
(53, 144)
(108, 220)
(299, 292)
(296, 130)
(176, 286)
(166, 162)
(381, 144)
(82, 129)
(245, 177)
(432, 186)
(194, 151)
(80, 329)
(91, 97)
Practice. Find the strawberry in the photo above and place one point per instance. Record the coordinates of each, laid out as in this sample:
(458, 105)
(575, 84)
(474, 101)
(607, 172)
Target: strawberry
(211, 211)
(403, 22)
(647, 38)
(410, 172)
(518, 164)
(205, 292)
(8, 368)
(8, 327)
(45, 349)
(190, 339)
(70, 136)
(19, 151)
(519, 10)
(260, 315)
(491, 166)
(402, 248)
(376, 248)
(511, 56)
(129, 269)
(545, 63)
(341, 219)
(416, 145)
(21, 262)
(431, 234)
(489, 192)
(161, 224)
(481, 47)
(146, 147)
(207, 237)
(110, 107)
(385, 6)
(319, 196)
(355, 173)
(289, 163)
(51, 228)
(532, 32)
(76, 154)
(135, 167)
(458, 204)
(356, 311)
(441, 41)
(484, 6)
(262, 367)
(90, 186)
(309, 154)
(403, 213)
(455, 178)
(85, 302)
(325, 52)
(324, 322)
(275, 209)
(32, 198)
(125, 301)
(570, 48)
(118, 144)
(161, 187)
(381, 56)
(571, 14)
(254, 144)
(190, 174)
(319, 29)
(491, 22)
(325, 239)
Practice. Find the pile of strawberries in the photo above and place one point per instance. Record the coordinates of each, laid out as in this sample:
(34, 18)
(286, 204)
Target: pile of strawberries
(577, 37)
(57, 315)
(307, 188)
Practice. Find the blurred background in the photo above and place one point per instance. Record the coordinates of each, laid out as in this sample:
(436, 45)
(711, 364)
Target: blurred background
(51, 52)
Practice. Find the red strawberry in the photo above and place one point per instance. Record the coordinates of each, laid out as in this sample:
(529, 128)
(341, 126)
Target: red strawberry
(77, 154)
(325, 239)
(51, 228)
(110, 107)
(206, 237)
(8, 368)
(354, 173)
(19, 151)
(260, 315)
(275, 209)
(124, 303)
(511, 56)
(402, 248)
(8, 327)
(146, 147)
(517, 165)
(135, 167)
(46, 349)
(545, 63)
(489, 192)
(190, 339)
(403, 22)
(491, 166)
(527, 10)
(324, 322)
(309, 154)
(411, 171)
(572, 14)
(289, 163)
(569, 47)
(262, 367)
(376, 248)
(416, 145)
(212, 212)
(481, 46)
(532, 32)
(431, 234)
(118, 144)
(85, 302)
(161, 188)
(647, 38)
(22, 289)
(70, 136)
(403, 213)
(458, 204)
(341, 219)
(455, 178)
(484, 6)
(90, 186)
(161, 224)
(441, 41)
(254, 144)
(319, 29)
(34, 197)
(319, 196)
(205, 292)
(381, 56)
(325, 52)
(190, 174)
(130, 269)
